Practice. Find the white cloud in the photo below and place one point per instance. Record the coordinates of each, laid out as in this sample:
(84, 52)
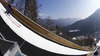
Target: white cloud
(43, 16)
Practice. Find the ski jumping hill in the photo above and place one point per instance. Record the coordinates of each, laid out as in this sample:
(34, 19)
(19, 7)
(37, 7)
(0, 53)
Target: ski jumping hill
(39, 37)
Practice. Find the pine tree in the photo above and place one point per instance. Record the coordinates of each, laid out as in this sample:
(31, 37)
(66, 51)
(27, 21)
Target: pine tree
(31, 9)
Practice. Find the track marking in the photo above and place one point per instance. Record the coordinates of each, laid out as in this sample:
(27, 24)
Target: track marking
(13, 21)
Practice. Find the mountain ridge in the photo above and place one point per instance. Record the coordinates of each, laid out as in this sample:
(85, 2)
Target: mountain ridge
(62, 21)
(87, 26)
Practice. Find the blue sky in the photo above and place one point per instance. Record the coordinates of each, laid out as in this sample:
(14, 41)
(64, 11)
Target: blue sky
(68, 8)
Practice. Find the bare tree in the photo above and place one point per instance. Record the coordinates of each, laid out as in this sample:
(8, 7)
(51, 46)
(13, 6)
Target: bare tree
(21, 5)
(40, 21)
(48, 23)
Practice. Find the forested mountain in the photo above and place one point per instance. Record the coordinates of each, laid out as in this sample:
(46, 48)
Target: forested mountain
(87, 26)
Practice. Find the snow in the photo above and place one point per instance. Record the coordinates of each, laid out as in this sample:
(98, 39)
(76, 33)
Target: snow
(98, 44)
